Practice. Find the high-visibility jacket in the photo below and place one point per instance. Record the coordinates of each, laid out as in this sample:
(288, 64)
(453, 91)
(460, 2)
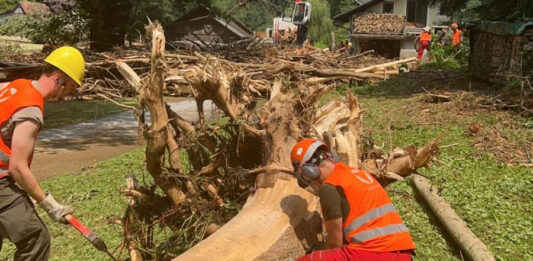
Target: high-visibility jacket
(373, 224)
(456, 38)
(16, 95)
(425, 36)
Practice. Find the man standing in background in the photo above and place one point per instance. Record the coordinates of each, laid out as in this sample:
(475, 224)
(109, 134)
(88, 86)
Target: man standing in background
(457, 36)
(424, 42)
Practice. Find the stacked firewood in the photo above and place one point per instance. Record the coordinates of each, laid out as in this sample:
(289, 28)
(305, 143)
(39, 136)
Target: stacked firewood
(373, 23)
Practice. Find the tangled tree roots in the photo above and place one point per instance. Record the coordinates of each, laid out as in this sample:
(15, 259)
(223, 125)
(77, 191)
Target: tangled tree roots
(242, 160)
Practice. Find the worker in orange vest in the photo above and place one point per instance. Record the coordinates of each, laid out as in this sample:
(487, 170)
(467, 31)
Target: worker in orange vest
(21, 118)
(457, 35)
(424, 42)
(359, 217)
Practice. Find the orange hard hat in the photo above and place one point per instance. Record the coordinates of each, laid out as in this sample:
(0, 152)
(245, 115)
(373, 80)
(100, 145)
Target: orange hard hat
(454, 25)
(303, 151)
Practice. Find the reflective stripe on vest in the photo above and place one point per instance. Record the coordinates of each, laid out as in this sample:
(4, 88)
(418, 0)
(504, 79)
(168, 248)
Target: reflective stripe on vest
(368, 216)
(373, 223)
(4, 157)
(376, 232)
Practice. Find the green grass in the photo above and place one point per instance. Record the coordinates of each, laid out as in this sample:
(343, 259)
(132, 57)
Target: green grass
(69, 112)
(93, 193)
(494, 199)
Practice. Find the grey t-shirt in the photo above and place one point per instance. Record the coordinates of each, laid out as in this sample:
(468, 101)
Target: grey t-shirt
(32, 113)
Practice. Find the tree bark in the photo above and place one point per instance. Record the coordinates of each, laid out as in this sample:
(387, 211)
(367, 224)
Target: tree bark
(457, 228)
(152, 97)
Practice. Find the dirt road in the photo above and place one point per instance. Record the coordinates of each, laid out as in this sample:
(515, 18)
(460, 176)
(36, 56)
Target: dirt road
(69, 148)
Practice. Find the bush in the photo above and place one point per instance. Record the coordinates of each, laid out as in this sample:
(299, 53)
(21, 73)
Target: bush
(7, 49)
(67, 27)
(447, 57)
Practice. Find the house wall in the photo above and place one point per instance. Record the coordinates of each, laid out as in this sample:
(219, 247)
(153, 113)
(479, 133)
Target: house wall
(433, 16)
(18, 10)
(407, 49)
(377, 8)
(400, 7)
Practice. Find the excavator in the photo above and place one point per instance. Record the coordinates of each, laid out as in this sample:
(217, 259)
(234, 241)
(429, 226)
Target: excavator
(299, 22)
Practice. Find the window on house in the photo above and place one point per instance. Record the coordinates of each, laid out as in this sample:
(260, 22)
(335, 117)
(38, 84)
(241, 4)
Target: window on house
(417, 11)
(388, 7)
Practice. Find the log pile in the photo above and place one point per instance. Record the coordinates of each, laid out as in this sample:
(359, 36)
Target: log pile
(374, 23)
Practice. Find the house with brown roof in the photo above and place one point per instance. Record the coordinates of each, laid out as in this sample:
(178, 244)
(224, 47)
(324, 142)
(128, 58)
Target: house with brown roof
(205, 28)
(27, 8)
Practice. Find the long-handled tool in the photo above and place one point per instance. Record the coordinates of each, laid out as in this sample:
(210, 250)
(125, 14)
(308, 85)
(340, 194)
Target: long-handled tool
(97, 242)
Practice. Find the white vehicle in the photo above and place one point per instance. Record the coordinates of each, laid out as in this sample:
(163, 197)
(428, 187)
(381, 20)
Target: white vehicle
(301, 16)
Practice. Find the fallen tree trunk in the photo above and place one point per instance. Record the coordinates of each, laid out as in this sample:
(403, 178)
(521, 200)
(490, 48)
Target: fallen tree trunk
(385, 65)
(270, 226)
(457, 228)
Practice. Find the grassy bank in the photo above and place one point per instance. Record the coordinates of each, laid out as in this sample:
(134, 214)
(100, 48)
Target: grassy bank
(94, 195)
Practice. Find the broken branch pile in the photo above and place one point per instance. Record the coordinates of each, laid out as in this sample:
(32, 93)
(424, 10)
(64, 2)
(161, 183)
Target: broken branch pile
(374, 23)
(258, 65)
(245, 157)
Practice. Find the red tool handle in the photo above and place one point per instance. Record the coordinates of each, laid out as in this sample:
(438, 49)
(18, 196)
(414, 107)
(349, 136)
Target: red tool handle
(78, 226)
(87, 233)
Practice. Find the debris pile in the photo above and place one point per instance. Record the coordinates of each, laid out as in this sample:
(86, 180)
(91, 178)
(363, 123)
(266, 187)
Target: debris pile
(259, 63)
(245, 156)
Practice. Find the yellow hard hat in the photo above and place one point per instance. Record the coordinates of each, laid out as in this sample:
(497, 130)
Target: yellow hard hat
(69, 60)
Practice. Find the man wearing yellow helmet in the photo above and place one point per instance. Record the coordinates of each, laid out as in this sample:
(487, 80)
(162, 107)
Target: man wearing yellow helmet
(21, 118)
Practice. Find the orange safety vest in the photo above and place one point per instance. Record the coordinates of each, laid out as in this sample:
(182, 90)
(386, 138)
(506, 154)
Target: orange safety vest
(16, 95)
(456, 38)
(373, 224)
(425, 36)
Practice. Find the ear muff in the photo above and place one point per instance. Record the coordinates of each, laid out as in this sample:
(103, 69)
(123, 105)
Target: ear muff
(303, 182)
(310, 172)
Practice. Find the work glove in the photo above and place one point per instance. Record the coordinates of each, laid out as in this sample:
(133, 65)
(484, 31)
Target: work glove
(55, 210)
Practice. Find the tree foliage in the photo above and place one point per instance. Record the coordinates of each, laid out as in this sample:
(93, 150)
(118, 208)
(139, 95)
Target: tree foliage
(110, 21)
(321, 25)
(255, 14)
(7, 5)
(67, 27)
(339, 6)
(472, 11)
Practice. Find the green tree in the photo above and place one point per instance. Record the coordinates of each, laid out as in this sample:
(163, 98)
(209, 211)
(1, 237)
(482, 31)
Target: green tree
(321, 25)
(339, 6)
(255, 14)
(7, 5)
(472, 11)
(110, 21)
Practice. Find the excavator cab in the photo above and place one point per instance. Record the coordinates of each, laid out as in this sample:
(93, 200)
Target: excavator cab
(301, 14)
